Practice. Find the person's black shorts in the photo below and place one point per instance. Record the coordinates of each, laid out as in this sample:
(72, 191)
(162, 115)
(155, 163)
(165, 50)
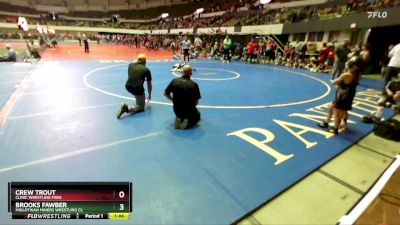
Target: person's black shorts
(271, 54)
(392, 72)
(186, 52)
(134, 90)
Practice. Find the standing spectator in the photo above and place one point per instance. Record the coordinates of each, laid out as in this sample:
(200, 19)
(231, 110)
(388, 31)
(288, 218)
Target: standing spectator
(264, 48)
(260, 51)
(198, 43)
(244, 53)
(251, 48)
(137, 74)
(297, 47)
(238, 50)
(136, 41)
(86, 43)
(297, 44)
(271, 47)
(323, 54)
(80, 38)
(363, 59)
(393, 68)
(345, 92)
(293, 52)
(185, 95)
(227, 47)
(303, 51)
(185, 47)
(385, 61)
(341, 56)
(286, 51)
(331, 55)
(54, 42)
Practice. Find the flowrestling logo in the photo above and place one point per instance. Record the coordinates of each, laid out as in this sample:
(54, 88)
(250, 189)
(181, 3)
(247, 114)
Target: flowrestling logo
(378, 14)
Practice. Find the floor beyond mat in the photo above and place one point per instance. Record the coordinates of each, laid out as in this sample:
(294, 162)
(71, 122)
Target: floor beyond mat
(385, 207)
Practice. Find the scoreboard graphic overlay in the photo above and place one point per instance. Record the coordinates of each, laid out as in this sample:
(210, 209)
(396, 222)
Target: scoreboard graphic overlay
(70, 200)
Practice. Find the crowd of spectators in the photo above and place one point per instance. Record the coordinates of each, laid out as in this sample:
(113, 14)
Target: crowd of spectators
(260, 15)
(250, 49)
(253, 15)
(304, 14)
(255, 51)
(262, 50)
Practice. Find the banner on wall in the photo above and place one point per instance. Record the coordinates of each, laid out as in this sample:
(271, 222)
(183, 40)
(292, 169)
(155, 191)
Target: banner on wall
(22, 23)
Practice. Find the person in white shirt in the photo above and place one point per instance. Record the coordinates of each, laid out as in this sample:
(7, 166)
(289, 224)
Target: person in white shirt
(393, 67)
(185, 47)
(198, 43)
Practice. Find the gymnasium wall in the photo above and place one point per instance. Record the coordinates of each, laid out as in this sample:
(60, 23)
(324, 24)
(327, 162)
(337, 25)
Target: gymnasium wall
(354, 26)
(360, 20)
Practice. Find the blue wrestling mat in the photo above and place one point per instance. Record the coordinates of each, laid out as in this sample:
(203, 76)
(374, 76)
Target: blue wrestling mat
(11, 75)
(257, 137)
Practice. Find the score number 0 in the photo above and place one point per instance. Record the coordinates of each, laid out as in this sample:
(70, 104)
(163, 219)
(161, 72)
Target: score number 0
(121, 194)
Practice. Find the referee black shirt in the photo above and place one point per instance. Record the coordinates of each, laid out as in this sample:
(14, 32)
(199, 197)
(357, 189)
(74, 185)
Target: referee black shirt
(186, 93)
(137, 74)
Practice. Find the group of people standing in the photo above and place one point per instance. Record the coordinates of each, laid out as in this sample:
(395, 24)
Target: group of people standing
(347, 70)
(182, 91)
(346, 73)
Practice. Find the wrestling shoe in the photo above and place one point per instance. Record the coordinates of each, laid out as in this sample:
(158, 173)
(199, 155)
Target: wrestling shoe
(123, 108)
(178, 122)
(323, 124)
(343, 125)
(334, 130)
(184, 124)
